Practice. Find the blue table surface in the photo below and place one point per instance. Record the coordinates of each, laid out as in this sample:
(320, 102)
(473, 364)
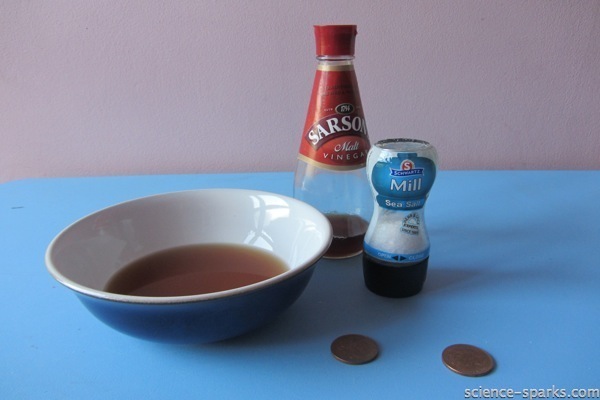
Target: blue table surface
(514, 269)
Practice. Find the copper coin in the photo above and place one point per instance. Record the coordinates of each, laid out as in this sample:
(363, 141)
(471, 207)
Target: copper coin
(354, 349)
(467, 360)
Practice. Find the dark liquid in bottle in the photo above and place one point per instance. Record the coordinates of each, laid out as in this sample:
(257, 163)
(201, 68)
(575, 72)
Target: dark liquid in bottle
(393, 280)
(195, 269)
(348, 235)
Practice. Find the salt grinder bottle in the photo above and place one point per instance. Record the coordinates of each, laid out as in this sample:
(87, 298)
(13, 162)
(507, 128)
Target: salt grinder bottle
(396, 249)
(333, 150)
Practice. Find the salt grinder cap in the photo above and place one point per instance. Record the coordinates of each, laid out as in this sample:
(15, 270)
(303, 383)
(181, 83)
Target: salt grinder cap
(335, 40)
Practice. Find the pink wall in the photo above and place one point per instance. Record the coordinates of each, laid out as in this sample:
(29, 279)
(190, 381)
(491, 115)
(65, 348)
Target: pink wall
(137, 87)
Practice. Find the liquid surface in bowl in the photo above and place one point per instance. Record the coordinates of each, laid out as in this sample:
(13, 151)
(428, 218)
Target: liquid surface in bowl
(195, 269)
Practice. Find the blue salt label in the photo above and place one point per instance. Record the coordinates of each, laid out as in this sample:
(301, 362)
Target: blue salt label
(399, 258)
(403, 182)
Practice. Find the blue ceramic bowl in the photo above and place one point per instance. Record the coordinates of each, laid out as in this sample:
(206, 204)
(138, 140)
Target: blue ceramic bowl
(86, 254)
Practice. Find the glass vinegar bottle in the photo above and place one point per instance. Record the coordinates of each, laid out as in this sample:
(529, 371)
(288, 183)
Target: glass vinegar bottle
(331, 173)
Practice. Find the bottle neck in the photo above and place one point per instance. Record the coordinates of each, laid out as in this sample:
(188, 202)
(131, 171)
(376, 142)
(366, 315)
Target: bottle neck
(338, 63)
(336, 59)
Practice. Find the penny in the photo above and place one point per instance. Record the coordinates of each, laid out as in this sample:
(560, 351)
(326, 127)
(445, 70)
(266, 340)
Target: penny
(467, 360)
(354, 349)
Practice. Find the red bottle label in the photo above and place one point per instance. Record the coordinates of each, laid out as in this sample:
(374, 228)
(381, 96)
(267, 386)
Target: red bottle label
(335, 134)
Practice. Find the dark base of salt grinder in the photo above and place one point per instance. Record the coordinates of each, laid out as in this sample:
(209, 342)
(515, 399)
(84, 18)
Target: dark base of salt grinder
(389, 280)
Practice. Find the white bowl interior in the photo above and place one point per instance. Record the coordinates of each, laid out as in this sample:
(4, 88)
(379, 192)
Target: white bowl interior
(91, 250)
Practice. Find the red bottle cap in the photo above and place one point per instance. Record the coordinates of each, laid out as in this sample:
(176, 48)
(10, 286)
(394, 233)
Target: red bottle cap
(335, 40)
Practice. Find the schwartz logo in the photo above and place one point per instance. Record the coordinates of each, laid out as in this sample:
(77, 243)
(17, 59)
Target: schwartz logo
(407, 168)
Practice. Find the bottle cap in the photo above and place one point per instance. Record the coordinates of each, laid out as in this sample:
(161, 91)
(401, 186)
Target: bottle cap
(335, 40)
